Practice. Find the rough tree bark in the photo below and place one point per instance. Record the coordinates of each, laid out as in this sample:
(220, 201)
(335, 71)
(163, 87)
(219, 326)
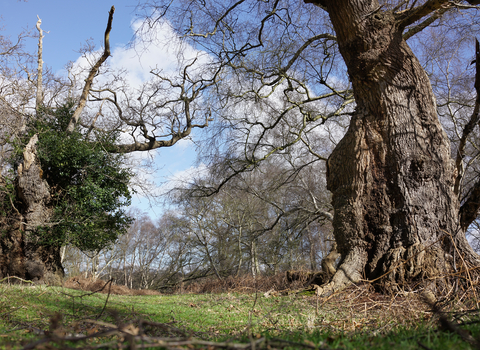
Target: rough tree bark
(392, 176)
(21, 255)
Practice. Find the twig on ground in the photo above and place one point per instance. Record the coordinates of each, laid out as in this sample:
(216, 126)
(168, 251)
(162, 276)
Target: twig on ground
(18, 278)
(108, 296)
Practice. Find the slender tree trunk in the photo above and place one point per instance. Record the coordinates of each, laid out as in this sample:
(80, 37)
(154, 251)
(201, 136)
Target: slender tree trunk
(252, 259)
(204, 242)
(291, 263)
(311, 250)
(257, 264)
(63, 252)
(255, 268)
(240, 255)
(95, 265)
(125, 270)
(212, 263)
(391, 175)
(132, 268)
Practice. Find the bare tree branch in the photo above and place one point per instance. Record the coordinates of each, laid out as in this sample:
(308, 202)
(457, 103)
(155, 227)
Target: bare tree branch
(318, 3)
(418, 28)
(469, 210)
(39, 99)
(417, 13)
(88, 82)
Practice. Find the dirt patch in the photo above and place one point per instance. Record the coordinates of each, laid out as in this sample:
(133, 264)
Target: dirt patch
(100, 286)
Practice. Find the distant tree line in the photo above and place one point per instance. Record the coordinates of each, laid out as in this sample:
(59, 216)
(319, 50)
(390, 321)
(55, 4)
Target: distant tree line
(264, 222)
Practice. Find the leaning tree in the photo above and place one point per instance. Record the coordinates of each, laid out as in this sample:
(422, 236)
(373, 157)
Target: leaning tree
(400, 211)
(58, 185)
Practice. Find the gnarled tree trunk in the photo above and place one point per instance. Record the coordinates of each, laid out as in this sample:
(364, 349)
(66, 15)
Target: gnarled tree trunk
(396, 215)
(21, 254)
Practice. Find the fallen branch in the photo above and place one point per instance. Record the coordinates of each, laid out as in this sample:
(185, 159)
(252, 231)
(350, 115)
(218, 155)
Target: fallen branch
(18, 278)
(132, 337)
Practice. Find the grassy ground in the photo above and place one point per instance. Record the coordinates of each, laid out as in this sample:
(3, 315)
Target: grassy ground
(51, 317)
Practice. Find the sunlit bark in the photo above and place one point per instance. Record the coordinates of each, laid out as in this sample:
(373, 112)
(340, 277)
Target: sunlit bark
(392, 176)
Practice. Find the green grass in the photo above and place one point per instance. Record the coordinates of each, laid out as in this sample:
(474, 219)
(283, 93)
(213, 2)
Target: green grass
(349, 321)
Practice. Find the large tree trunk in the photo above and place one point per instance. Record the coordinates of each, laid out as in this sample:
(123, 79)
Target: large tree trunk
(391, 176)
(21, 255)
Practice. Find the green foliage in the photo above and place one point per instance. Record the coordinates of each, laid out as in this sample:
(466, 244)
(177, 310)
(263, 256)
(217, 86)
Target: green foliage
(7, 195)
(7, 199)
(89, 186)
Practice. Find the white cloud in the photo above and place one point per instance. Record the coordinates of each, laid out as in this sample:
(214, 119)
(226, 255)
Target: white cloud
(161, 49)
(185, 177)
(158, 48)
(129, 74)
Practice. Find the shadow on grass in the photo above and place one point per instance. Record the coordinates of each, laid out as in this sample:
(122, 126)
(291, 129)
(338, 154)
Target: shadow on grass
(56, 318)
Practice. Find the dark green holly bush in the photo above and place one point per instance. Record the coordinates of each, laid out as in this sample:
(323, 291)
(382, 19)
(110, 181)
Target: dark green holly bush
(89, 185)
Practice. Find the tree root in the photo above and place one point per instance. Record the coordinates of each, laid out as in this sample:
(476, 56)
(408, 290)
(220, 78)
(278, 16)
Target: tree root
(349, 272)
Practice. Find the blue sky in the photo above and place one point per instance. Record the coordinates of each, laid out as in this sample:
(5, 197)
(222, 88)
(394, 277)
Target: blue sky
(69, 24)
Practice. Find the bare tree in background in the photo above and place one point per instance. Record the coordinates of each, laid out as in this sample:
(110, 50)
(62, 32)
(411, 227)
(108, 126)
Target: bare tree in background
(264, 221)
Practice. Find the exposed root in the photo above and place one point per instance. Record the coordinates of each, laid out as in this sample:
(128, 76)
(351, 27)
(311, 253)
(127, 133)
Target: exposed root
(417, 266)
(349, 272)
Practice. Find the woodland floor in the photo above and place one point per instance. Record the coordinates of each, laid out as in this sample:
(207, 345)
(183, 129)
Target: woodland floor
(40, 317)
